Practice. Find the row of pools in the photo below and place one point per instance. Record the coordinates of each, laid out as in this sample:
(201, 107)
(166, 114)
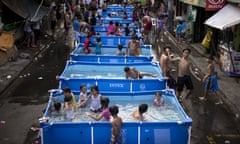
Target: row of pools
(163, 125)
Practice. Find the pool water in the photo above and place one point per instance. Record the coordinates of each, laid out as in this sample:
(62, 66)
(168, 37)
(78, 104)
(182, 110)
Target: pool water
(111, 51)
(127, 105)
(82, 70)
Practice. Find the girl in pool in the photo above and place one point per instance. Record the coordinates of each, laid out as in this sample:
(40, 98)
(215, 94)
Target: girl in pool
(95, 97)
(105, 114)
(83, 96)
(158, 101)
(68, 107)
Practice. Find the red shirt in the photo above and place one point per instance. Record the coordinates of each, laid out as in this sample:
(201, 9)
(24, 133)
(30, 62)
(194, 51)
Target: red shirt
(86, 46)
(148, 25)
(91, 33)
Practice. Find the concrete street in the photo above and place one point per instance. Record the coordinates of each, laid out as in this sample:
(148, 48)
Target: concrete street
(24, 84)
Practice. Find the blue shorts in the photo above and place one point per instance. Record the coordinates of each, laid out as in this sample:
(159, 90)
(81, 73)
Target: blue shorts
(211, 83)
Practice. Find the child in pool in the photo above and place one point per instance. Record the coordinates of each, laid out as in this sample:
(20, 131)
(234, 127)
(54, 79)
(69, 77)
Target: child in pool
(116, 137)
(56, 107)
(138, 114)
(95, 97)
(98, 46)
(119, 51)
(105, 114)
(158, 101)
(86, 45)
(82, 96)
(68, 107)
(68, 93)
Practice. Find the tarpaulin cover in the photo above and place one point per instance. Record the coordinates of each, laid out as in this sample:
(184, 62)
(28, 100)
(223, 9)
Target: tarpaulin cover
(226, 17)
(27, 9)
(6, 40)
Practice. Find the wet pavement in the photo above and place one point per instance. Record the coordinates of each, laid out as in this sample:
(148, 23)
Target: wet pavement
(26, 97)
(212, 124)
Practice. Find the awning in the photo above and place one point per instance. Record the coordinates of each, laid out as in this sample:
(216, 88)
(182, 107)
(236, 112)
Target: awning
(27, 9)
(198, 3)
(226, 17)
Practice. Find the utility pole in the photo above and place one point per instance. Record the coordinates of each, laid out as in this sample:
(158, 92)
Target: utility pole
(170, 16)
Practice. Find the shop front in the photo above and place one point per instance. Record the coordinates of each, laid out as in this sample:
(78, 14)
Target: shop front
(227, 20)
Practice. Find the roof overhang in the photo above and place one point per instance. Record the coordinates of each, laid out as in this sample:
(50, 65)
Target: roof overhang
(27, 9)
(226, 17)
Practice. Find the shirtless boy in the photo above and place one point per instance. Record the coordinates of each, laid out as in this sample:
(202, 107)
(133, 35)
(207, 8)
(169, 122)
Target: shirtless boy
(132, 73)
(133, 46)
(210, 80)
(138, 114)
(116, 137)
(184, 71)
(164, 63)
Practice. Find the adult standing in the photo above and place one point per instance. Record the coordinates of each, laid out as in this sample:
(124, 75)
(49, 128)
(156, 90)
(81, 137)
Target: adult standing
(133, 47)
(164, 64)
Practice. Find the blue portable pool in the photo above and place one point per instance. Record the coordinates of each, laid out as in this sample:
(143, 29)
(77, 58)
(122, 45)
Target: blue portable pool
(111, 76)
(108, 55)
(109, 40)
(115, 14)
(164, 125)
(116, 8)
(104, 28)
(119, 20)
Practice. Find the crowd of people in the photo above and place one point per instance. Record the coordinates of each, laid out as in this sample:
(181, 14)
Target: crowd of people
(99, 109)
(87, 15)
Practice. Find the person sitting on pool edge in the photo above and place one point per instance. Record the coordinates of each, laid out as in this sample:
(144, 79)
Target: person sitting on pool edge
(138, 114)
(132, 73)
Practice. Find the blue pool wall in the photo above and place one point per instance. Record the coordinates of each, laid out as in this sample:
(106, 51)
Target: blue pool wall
(109, 40)
(100, 29)
(109, 55)
(110, 59)
(113, 85)
(93, 132)
(99, 133)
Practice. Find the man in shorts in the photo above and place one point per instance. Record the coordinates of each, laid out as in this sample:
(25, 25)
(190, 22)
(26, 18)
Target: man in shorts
(184, 72)
(210, 80)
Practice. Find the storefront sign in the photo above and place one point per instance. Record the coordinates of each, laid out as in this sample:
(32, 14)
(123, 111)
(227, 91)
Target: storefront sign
(214, 5)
